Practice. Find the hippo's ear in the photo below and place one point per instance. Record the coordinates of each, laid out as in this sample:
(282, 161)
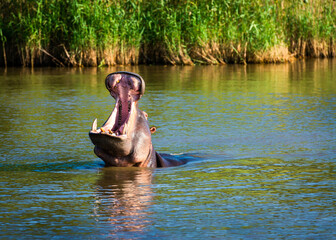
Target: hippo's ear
(153, 130)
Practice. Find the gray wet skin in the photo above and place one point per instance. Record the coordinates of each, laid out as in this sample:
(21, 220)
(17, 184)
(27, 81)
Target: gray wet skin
(124, 140)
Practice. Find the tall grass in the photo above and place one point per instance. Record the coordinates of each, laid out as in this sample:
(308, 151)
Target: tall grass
(311, 28)
(110, 32)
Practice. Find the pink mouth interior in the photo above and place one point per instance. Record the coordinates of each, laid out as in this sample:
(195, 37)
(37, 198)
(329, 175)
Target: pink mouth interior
(123, 113)
(126, 89)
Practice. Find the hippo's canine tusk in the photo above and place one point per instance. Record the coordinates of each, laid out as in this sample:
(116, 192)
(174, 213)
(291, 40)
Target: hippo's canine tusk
(94, 125)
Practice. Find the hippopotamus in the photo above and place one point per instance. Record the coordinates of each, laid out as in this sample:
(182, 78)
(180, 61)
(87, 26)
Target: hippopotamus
(125, 139)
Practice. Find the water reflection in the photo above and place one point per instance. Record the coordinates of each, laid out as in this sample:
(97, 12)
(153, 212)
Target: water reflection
(123, 196)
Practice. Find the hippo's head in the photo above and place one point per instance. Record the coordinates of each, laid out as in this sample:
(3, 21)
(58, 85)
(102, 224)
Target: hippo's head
(125, 138)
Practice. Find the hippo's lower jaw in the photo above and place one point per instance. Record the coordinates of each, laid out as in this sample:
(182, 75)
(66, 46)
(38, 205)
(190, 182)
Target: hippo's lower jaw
(114, 136)
(128, 145)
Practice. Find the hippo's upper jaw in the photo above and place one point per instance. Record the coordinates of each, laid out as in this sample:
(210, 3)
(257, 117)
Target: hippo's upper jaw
(126, 88)
(125, 138)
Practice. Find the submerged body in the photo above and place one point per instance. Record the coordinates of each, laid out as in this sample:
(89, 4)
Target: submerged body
(125, 140)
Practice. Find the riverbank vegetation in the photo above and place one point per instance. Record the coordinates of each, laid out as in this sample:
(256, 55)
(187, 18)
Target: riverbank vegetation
(112, 32)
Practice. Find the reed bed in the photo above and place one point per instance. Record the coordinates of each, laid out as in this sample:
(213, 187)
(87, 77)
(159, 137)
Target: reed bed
(115, 32)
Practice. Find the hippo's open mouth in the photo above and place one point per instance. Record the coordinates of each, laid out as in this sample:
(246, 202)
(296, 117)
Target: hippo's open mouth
(126, 88)
(118, 122)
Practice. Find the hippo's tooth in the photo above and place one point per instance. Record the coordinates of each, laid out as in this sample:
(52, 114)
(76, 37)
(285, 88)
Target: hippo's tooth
(111, 132)
(102, 130)
(94, 125)
(124, 130)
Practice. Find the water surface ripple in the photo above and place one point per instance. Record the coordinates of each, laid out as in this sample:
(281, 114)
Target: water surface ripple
(260, 140)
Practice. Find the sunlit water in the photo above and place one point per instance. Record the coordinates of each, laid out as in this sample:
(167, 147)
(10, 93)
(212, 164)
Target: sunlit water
(260, 140)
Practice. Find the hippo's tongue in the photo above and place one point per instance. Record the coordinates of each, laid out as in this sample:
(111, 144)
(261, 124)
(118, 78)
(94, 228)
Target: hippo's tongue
(123, 107)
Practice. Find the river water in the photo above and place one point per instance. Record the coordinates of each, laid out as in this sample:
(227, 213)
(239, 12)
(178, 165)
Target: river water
(260, 139)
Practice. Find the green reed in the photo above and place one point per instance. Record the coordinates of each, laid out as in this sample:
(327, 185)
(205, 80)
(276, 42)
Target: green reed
(103, 32)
